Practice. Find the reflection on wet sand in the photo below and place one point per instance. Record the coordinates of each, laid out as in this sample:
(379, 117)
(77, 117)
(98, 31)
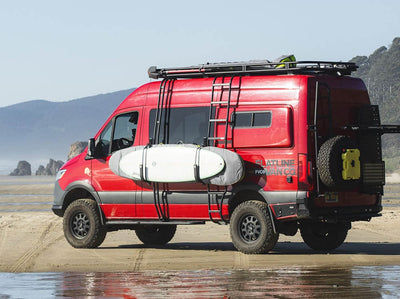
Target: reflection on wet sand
(356, 282)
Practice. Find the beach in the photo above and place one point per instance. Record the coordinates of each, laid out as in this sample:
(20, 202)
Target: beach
(32, 240)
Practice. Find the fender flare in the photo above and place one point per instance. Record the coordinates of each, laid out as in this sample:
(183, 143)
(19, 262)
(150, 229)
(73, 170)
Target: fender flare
(257, 189)
(60, 195)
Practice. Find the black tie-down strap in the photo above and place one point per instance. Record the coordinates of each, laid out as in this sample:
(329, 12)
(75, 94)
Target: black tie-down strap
(161, 204)
(143, 166)
(196, 166)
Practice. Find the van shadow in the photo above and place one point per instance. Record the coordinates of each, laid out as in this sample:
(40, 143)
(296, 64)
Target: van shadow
(282, 248)
(345, 248)
(197, 246)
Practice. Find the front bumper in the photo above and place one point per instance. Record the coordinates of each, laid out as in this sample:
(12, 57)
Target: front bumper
(58, 210)
(57, 207)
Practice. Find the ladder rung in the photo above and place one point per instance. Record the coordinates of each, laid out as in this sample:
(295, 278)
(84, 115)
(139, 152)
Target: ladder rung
(214, 211)
(216, 138)
(219, 102)
(221, 84)
(215, 120)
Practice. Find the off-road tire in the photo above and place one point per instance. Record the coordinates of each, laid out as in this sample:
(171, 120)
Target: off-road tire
(82, 225)
(155, 234)
(330, 163)
(251, 228)
(323, 236)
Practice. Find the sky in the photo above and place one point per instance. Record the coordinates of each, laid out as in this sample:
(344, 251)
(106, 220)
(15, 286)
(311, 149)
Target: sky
(63, 50)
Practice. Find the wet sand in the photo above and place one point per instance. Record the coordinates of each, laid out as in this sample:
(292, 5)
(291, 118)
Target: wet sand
(34, 242)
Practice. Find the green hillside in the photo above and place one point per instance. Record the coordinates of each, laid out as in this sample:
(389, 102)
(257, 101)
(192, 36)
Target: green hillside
(381, 73)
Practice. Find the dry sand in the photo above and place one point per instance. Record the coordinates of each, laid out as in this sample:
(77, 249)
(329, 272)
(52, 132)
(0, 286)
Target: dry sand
(34, 242)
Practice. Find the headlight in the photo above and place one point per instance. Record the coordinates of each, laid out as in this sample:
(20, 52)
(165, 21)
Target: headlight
(60, 174)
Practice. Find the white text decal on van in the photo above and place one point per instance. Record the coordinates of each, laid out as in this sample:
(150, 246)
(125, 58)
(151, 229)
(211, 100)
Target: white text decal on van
(276, 167)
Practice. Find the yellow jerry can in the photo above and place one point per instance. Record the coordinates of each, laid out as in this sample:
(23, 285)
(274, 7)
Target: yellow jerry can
(351, 164)
(286, 58)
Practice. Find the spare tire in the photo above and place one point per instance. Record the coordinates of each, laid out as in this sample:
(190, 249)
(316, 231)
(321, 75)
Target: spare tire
(330, 163)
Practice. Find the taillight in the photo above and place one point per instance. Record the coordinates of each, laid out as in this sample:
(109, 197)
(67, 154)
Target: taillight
(304, 172)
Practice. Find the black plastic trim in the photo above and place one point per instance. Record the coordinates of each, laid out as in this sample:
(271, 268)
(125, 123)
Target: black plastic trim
(175, 197)
(58, 210)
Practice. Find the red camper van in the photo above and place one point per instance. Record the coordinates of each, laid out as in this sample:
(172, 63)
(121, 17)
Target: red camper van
(308, 139)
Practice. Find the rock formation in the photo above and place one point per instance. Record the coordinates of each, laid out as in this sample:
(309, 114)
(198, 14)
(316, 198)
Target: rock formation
(41, 170)
(23, 168)
(51, 168)
(76, 148)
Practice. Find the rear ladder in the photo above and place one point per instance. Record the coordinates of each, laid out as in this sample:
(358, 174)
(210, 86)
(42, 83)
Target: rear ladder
(217, 197)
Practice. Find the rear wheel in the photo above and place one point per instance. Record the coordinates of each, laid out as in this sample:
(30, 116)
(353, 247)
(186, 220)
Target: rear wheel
(155, 234)
(82, 225)
(251, 228)
(324, 236)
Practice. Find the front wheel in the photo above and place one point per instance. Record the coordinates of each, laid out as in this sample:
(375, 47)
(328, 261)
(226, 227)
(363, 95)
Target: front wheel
(324, 236)
(251, 228)
(82, 225)
(156, 234)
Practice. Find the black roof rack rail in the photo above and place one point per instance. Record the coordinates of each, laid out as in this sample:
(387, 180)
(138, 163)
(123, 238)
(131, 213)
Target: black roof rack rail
(253, 67)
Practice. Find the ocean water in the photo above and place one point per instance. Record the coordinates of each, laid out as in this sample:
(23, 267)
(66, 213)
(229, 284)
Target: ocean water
(355, 282)
(7, 166)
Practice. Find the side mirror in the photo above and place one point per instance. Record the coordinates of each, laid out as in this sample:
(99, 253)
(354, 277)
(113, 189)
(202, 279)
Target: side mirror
(91, 148)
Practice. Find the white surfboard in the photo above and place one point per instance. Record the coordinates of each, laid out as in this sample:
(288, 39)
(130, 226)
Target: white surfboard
(169, 163)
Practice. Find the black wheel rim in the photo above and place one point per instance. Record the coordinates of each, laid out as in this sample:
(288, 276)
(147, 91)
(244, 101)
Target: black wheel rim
(80, 225)
(249, 228)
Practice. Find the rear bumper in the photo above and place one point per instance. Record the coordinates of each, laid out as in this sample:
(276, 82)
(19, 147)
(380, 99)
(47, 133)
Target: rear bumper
(358, 213)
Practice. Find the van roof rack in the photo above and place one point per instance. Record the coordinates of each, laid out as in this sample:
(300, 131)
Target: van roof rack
(253, 67)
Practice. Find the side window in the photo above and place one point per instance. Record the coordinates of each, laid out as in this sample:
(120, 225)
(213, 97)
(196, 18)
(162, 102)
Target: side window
(124, 131)
(121, 131)
(257, 119)
(183, 125)
(270, 128)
